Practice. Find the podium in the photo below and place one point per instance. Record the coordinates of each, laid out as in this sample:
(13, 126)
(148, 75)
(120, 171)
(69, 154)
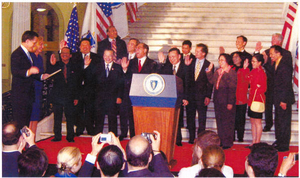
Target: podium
(156, 101)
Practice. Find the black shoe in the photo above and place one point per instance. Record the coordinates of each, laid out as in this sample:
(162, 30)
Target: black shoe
(78, 133)
(226, 147)
(71, 140)
(266, 129)
(191, 142)
(241, 140)
(179, 144)
(249, 146)
(56, 140)
(281, 149)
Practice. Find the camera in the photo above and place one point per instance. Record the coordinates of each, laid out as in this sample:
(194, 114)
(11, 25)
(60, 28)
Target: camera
(147, 136)
(105, 138)
(25, 130)
(296, 157)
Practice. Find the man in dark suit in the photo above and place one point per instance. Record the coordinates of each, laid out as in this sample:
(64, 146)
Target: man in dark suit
(186, 50)
(138, 153)
(23, 76)
(126, 115)
(178, 68)
(269, 68)
(85, 72)
(241, 42)
(199, 92)
(140, 64)
(109, 92)
(283, 98)
(62, 95)
(113, 42)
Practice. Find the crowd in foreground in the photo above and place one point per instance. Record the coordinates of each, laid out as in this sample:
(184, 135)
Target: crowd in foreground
(22, 158)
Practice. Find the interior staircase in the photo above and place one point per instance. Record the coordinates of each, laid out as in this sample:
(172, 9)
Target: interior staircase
(163, 25)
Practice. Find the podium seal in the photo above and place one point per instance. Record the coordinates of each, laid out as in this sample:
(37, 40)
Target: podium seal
(154, 84)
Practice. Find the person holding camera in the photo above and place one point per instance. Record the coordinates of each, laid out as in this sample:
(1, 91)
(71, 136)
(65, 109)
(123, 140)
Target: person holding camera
(140, 153)
(13, 143)
(110, 160)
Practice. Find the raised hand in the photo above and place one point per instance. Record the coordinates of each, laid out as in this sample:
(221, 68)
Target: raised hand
(53, 59)
(161, 57)
(258, 46)
(124, 63)
(246, 63)
(221, 50)
(210, 67)
(188, 60)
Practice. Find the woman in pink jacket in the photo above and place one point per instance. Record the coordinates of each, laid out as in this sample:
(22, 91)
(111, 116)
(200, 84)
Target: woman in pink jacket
(258, 83)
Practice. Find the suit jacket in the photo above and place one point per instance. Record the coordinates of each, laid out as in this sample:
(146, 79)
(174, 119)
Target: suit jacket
(283, 89)
(111, 87)
(85, 77)
(22, 86)
(167, 68)
(105, 44)
(62, 91)
(148, 67)
(160, 169)
(200, 88)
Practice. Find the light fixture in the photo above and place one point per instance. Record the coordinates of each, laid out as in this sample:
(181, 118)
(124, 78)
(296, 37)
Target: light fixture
(40, 9)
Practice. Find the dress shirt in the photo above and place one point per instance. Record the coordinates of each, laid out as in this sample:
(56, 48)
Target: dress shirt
(143, 59)
(83, 56)
(109, 65)
(277, 62)
(176, 66)
(201, 63)
(131, 56)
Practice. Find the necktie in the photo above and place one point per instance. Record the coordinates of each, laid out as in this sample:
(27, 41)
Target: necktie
(140, 66)
(65, 72)
(174, 70)
(114, 48)
(197, 70)
(107, 70)
(30, 59)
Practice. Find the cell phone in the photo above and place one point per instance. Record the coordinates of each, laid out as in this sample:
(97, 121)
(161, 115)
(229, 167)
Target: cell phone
(105, 138)
(25, 130)
(296, 157)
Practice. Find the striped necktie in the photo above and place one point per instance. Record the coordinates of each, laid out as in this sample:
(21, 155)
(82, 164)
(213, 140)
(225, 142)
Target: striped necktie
(107, 70)
(174, 70)
(197, 70)
(114, 48)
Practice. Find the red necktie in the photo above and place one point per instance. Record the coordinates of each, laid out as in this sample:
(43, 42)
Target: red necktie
(65, 72)
(140, 66)
(114, 48)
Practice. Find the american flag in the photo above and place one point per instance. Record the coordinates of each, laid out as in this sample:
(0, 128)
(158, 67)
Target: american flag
(103, 12)
(72, 33)
(131, 11)
(288, 24)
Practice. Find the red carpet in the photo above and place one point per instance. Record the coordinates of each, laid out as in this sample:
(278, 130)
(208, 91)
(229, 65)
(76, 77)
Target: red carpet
(235, 156)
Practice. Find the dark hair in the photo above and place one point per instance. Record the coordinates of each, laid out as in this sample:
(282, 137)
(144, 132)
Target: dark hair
(263, 159)
(137, 41)
(138, 160)
(260, 58)
(204, 139)
(278, 49)
(145, 46)
(85, 39)
(187, 42)
(29, 35)
(10, 137)
(244, 38)
(210, 172)
(110, 160)
(204, 48)
(33, 162)
(109, 28)
(228, 58)
(174, 49)
(213, 157)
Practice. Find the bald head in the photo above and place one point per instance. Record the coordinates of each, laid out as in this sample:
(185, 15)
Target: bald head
(138, 151)
(10, 134)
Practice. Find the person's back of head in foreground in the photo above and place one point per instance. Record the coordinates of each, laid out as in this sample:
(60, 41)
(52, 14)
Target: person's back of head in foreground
(68, 161)
(213, 157)
(138, 152)
(32, 163)
(10, 134)
(110, 161)
(262, 161)
(204, 139)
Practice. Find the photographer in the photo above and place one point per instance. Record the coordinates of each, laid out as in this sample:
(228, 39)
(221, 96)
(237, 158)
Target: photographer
(139, 155)
(110, 160)
(13, 143)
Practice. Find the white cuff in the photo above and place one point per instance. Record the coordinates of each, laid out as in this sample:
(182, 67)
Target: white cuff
(90, 158)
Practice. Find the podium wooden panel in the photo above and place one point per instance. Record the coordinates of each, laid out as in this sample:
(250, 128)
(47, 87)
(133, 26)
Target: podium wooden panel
(164, 120)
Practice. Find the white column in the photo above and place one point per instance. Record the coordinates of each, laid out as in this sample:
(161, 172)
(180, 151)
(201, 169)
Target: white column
(20, 22)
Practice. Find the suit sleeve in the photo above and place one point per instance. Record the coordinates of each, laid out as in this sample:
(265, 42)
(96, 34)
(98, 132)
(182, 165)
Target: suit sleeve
(161, 167)
(17, 68)
(209, 86)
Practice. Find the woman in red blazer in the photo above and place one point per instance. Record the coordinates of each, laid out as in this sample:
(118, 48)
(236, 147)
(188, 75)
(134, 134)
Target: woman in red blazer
(258, 82)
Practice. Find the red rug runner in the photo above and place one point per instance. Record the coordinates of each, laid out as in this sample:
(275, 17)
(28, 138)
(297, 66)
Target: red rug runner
(235, 156)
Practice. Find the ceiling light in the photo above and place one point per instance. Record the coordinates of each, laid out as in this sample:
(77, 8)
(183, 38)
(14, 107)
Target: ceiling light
(40, 9)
